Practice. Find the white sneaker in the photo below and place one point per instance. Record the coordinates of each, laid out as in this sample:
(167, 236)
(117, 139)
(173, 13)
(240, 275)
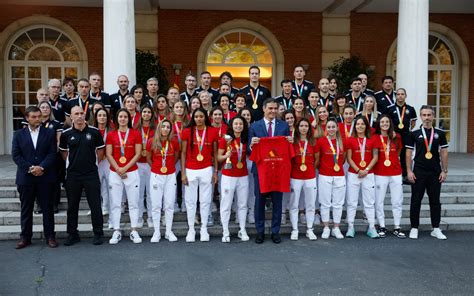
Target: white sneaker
(149, 222)
(183, 208)
(251, 218)
(243, 235)
(372, 232)
(326, 233)
(413, 233)
(105, 212)
(283, 218)
(191, 236)
(176, 207)
(171, 237)
(336, 232)
(438, 234)
(310, 234)
(294, 235)
(214, 207)
(225, 238)
(135, 237)
(302, 218)
(156, 237)
(350, 231)
(89, 213)
(140, 223)
(317, 219)
(204, 235)
(116, 237)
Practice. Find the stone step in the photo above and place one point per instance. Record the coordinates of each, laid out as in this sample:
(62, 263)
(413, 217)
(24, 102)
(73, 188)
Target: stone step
(11, 232)
(449, 210)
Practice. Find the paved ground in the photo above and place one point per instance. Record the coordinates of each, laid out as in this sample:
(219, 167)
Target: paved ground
(350, 267)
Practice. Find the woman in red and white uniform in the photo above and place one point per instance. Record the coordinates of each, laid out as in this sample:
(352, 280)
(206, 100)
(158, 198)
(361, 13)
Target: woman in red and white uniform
(123, 149)
(131, 105)
(346, 128)
(331, 155)
(239, 100)
(362, 155)
(289, 117)
(224, 103)
(195, 104)
(146, 127)
(199, 158)
(388, 173)
(320, 121)
(299, 109)
(234, 176)
(162, 155)
(162, 110)
(217, 120)
(303, 178)
(102, 123)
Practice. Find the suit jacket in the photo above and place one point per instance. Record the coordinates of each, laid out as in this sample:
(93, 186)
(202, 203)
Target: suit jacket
(259, 129)
(25, 155)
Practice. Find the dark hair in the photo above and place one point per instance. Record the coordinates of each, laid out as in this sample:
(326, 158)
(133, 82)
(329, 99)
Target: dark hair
(102, 106)
(292, 112)
(221, 96)
(192, 122)
(254, 67)
(269, 101)
(367, 126)
(214, 110)
(191, 101)
(244, 135)
(107, 123)
(31, 109)
(226, 73)
(387, 77)
(401, 88)
(135, 87)
(304, 112)
(67, 80)
(427, 107)
(298, 66)
(390, 133)
(356, 79)
(248, 109)
(284, 81)
(313, 90)
(152, 119)
(117, 115)
(83, 80)
(309, 135)
(205, 72)
(240, 95)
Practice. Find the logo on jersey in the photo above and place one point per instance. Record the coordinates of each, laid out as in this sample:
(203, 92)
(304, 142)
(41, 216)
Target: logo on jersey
(88, 136)
(436, 136)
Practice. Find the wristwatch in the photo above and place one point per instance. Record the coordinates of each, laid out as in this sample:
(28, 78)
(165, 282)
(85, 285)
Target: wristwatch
(445, 171)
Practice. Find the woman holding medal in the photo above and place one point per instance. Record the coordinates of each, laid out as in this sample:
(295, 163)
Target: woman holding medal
(331, 155)
(199, 158)
(131, 105)
(179, 119)
(123, 149)
(146, 127)
(303, 178)
(362, 155)
(369, 111)
(102, 122)
(232, 151)
(217, 120)
(388, 173)
(163, 153)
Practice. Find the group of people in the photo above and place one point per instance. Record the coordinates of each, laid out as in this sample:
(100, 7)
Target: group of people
(309, 151)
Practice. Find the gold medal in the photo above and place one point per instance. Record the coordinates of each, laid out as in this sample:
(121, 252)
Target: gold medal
(337, 168)
(387, 163)
(400, 125)
(255, 106)
(199, 157)
(164, 170)
(240, 165)
(362, 163)
(303, 167)
(428, 155)
(123, 160)
(143, 153)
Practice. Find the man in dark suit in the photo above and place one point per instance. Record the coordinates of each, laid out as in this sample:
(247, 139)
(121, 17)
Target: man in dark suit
(34, 152)
(268, 126)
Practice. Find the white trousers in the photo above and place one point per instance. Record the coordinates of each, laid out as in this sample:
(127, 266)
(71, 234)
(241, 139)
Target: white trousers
(354, 186)
(310, 190)
(144, 172)
(332, 193)
(104, 172)
(198, 179)
(396, 194)
(229, 186)
(116, 188)
(162, 195)
(285, 201)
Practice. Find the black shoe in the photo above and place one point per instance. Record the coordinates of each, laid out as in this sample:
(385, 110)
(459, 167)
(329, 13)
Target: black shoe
(55, 209)
(398, 233)
(276, 238)
(38, 210)
(382, 231)
(260, 238)
(72, 239)
(97, 240)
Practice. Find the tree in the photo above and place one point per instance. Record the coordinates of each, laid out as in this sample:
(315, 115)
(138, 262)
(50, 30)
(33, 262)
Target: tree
(344, 69)
(148, 65)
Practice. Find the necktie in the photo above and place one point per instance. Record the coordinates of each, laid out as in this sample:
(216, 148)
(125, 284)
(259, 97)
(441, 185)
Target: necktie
(270, 134)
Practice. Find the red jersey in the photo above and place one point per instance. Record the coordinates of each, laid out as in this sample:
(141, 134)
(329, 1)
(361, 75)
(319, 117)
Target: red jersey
(147, 134)
(297, 161)
(210, 137)
(346, 130)
(355, 144)
(394, 168)
(178, 127)
(326, 157)
(135, 119)
(159, 119)
(234, 159)
(221, 131)
(157, 157)
(273, 155)
(133, 138)
(229, 115)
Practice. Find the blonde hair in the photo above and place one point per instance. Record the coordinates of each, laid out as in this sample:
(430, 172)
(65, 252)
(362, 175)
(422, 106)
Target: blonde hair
(157, 138)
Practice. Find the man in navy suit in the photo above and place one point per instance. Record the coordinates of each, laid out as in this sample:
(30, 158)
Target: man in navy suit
(34, 151)
(268, 126)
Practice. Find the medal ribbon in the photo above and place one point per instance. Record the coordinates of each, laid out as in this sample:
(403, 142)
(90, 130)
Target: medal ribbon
(321, 101)
(239, 149)
(164, 152)
(362, 148)
(123, 142)
(86, 106)
(299, 91)
(350, 131)
(105, 134)
(303, 151)
(402, 116)
(386, 147)
(254, 98)
(201, 140)
(178, 132)
(389, 99)
(145, 138)
(428, 145)
(335, 152)
(358, 102)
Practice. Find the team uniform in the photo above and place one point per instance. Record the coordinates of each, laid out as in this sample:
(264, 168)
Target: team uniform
(85, 105)
(144, 174)
(59, 107)
(214, 94)
(234, 180)
(327, 102)
(186, 97)
(162, 184)
(255, 99)
(357, 102)
(104, 172)
(117, 101)
(385, 100)
(286, 101)
(303, 89)
(102, 97)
